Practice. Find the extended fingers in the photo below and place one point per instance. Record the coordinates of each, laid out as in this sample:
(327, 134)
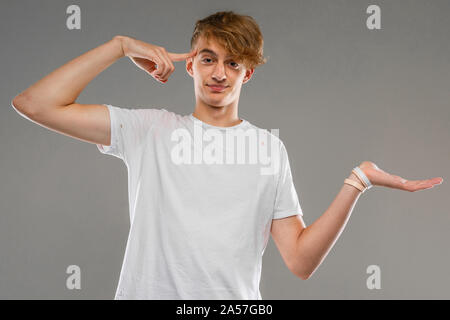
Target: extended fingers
(417, 185)
(182, 56)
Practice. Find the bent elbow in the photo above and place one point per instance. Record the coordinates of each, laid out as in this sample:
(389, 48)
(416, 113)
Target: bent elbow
(302, 273)
(15, 103)
(23, 106)
(19, 103)
(303, 276)
(306, 277)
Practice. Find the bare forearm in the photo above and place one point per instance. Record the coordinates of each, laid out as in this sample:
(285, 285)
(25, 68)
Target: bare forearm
(317, 239)
(63, 86)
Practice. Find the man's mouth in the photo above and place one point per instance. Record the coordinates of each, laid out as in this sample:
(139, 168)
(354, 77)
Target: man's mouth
(216, 88)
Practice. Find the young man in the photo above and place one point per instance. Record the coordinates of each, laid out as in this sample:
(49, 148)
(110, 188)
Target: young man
(198, 228)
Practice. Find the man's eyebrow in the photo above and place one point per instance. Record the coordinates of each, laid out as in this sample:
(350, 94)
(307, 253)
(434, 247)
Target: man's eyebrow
(210, 52)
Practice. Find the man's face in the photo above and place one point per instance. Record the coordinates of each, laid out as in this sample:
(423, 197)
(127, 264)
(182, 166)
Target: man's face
(212, 66)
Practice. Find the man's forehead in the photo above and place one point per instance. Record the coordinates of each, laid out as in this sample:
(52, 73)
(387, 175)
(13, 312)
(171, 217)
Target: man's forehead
(210, 46)
(209, 51)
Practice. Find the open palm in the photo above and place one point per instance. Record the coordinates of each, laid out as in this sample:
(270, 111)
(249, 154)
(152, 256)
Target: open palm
(379, 177)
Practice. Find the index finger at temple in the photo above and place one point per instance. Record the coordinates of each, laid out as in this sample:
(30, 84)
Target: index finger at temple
(181, 56)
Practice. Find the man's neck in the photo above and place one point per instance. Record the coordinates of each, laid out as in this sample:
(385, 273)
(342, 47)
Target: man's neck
(225, 116)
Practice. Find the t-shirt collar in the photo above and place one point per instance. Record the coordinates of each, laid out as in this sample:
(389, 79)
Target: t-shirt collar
(239, 125)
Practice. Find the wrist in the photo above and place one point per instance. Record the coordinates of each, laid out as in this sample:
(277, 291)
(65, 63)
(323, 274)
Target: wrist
(359, 180)
(353, 176)
(354, 181)
(121, 43)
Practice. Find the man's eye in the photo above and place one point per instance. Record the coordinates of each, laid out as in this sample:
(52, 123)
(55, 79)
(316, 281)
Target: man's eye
(234, 64)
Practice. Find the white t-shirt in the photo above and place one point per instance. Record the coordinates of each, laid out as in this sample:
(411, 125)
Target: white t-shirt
(198, 230)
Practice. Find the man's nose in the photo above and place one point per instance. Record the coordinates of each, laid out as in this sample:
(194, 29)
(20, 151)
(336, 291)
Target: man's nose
(219, 72)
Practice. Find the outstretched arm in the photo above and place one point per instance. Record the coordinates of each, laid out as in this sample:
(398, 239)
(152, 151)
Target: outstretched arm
(315, 241)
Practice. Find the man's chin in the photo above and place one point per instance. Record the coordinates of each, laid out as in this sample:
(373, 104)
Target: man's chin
(216, 103)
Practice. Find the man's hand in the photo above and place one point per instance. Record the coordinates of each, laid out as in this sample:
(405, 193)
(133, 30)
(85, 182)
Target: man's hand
(153, 59)
(379, 177)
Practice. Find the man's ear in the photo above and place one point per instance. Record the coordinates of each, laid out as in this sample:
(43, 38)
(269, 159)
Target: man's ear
(189, 63)
(248, 75)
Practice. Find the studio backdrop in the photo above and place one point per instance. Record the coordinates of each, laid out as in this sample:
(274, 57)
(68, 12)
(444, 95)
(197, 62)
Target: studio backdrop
(345, 81)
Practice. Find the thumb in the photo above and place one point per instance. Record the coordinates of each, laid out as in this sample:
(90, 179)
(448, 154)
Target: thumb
(182, 56)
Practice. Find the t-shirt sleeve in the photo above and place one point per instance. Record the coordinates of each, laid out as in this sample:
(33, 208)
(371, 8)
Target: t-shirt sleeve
(129, 128)
(286, 199)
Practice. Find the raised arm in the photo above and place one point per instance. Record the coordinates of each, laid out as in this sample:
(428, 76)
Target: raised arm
(50, 102)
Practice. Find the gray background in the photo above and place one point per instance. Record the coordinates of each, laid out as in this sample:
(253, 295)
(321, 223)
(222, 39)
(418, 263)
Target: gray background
(338, 92)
